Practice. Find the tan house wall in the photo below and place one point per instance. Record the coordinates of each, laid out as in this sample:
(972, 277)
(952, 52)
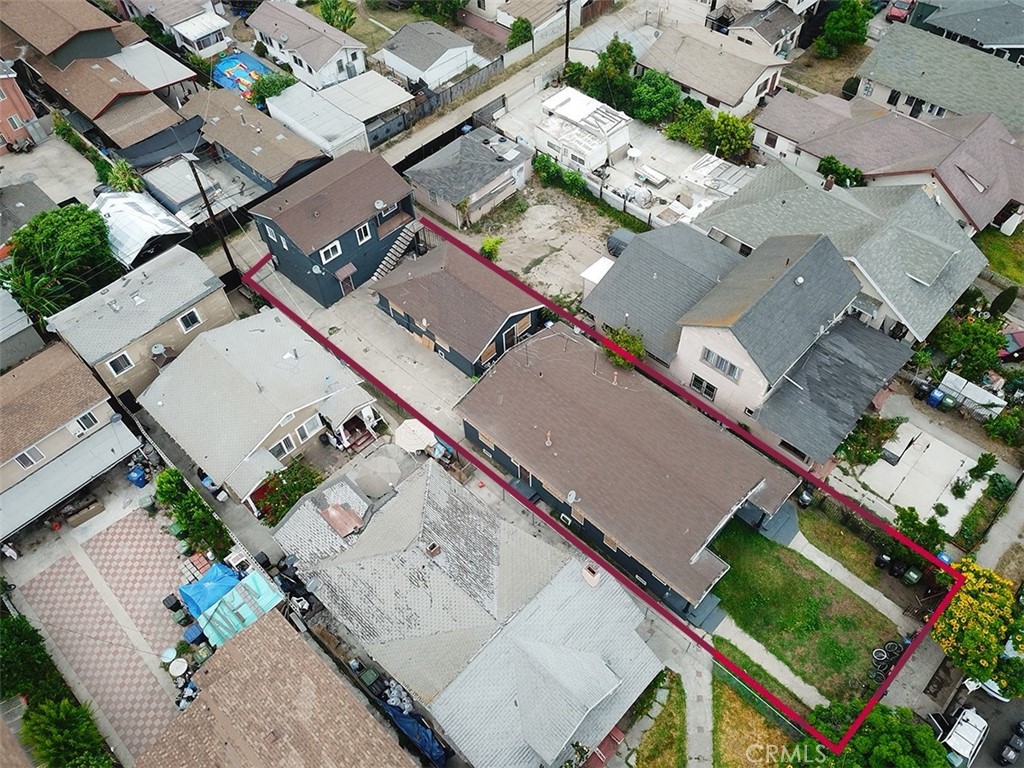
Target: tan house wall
(53, 445)
(214, 311)
(733, 396)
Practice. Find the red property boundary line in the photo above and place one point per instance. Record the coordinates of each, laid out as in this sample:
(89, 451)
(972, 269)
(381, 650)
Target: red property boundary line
(835, 747)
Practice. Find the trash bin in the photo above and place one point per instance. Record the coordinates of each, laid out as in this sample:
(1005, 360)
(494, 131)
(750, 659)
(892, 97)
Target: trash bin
(148, 503)
(912, 576)
(882, 561)
(947, 404)
(935, 398)
(183, 548)
(921, 390)
(137, 477)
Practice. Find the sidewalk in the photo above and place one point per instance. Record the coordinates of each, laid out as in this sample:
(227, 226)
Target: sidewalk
(808, 694)
(837, 571)
(1008, 530)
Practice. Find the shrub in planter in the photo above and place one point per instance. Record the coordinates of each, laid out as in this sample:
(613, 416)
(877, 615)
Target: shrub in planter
(986, 463)
(1000, 487)
(259, 48)
(960, 487)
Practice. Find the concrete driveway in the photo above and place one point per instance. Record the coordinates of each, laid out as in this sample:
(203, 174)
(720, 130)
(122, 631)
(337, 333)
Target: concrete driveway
(56, 169)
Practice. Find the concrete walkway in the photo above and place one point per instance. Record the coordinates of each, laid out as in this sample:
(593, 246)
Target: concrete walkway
(837, 571)
(808, 694)
(1008, 530)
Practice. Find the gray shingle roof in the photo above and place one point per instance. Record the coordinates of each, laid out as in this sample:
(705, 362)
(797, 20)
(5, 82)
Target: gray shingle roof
(656, 280)
(147, 297)
(996, 23)
(18, 204)
(802, 119)
(422, 43)
(463, 301)
(503, 712)
(890, 232)
(424, 618)
(13, 319)
(946, 73)
(777, 300)
(772, 23)
(829, 388)
(299, 30)
(463, 167)
(232, 385)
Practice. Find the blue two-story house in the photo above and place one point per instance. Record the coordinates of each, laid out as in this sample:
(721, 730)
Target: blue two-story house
(458, 307)
(348, 221)
(641, 476)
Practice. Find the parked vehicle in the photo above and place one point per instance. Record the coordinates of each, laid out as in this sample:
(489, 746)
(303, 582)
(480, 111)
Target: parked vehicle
(964, 738)
(899, 10)
(806, 495)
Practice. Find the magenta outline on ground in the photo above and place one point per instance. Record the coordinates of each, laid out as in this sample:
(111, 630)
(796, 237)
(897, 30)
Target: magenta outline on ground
(834, 746)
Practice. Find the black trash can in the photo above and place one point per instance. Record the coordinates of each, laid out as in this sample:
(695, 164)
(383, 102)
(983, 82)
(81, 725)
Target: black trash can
(882, 561)
(172, 603)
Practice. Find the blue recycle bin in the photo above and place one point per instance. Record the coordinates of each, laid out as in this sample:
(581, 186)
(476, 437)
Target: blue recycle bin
(137, 477)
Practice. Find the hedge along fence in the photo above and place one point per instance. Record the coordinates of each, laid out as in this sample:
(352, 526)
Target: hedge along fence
(99, 161)
(984, 513)
(203, 529)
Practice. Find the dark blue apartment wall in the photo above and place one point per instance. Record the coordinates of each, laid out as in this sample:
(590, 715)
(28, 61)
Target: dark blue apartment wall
(297, 171)
(587, 531)
(324, 287)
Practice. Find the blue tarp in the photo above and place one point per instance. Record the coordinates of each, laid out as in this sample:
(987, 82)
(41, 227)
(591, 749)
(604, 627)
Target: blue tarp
(213, 585)
(247, 601)
(413, 726)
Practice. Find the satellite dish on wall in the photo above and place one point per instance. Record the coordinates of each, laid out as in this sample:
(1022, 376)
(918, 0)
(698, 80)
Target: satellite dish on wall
(284, 37)
(151, 8)
(571, 497)
(378, 204)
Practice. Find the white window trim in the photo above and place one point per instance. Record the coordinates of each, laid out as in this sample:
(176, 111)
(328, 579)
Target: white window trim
(324, 258)
(270, 232)
(281, 442)
(3, 95)
(304, 427)
(712, 359)
(199, 320)
(82, 429)
(125, 355)
(359, 238)
(15, 122)
(33, 461)
(388, 211)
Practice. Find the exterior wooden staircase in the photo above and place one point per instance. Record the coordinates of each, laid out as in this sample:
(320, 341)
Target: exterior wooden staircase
(398, 249)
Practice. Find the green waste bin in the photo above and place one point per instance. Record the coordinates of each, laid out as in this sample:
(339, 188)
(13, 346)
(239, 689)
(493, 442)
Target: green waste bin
(175, 530)
(912, 576)
(947, 404)
(148, 503)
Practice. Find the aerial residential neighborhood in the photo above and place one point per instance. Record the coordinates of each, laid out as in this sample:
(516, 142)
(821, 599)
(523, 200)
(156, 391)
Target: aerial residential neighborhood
(512, 383)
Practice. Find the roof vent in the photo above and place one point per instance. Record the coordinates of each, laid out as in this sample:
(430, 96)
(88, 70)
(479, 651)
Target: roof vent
(591, 574)
(284, 37)
(378, 204)
(829, 182)
(799, 280)
(433, 549)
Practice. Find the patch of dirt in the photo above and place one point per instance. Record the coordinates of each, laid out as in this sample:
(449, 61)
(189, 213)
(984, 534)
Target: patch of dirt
(738, 726)
(1011, 564)
(826, 75)
(483, 44)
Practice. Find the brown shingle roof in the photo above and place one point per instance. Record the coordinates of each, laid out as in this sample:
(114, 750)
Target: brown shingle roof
(134, 118)
(267, 700)
(255, 138)
(648, 470)
(128, 33)
(48, 24)
(90, 85)
(333, 199)
(463, 302)
(43, 394)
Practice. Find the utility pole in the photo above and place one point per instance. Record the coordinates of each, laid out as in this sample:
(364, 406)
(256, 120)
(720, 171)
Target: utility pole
(568, 18)
(191, 160)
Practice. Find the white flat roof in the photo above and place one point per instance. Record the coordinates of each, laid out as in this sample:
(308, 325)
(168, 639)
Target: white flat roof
(367, 95)
(202, 25)
(596, 271)
(576, 107)
(133, 218)
(151, 66)
(301, 104)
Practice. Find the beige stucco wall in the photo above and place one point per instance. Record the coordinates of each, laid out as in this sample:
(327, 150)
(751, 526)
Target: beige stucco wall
(732, 396)
(214, 310)
(53, 445)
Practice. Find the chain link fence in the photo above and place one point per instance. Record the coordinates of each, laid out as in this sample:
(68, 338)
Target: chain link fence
(751, 697)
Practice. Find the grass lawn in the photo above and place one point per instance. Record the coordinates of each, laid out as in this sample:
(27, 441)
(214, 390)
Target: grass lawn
(369, 33)
(664, 744)
(738, 726)
(807, 619)
(645, 699)
(757, 672)
(835, 540)
(1005, 254)
(827, 75)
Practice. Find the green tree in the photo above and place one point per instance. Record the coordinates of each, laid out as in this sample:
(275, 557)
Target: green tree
(729, 136)
(23, 657)
(928, 534)
(974, 344)
(973, 631)
(259, 49)
(575, 73)
(1001, 304)
(1008, 426)
(520, 32)
(171, 488)
(340, 14)
(61, 732)
(489, 247)
(441, 11)
(59, 257)
(205, 66)
(845, 176)
(285, 487)
(268, 86)
(611, 81)
(655, 97)
(692, 123)
(845, 26)
(888, 738)
(123, 178)
(629, 341)
(986, 463)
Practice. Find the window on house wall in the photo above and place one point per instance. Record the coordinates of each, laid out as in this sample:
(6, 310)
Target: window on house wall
(32, 456)
(388, 211)
(309, 427)
(713, 102)
(745, 250)
(481, 4)
(771, 139)
(762, 87)
(120, 364)
(703, 388)
(363, 233)
(15, 122)
(297, 60)
(720, 363)
(355, 55)
(189, 320)
(86, 421)
(283, 448)
(2, 94)
(331, 252)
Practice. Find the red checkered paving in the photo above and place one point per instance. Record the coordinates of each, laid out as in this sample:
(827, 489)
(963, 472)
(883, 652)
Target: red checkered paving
(132, 556)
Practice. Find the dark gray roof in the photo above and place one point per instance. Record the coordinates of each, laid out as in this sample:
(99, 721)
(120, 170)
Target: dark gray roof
(779, 299)
(995, 23)
(819, 402)
(946, 73)
(656, 280)
(910, 249)
(423, 42)
(18, 204)
(461, 168)
(772, 23)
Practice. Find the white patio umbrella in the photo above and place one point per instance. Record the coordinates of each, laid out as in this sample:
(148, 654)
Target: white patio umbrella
(413, 435)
